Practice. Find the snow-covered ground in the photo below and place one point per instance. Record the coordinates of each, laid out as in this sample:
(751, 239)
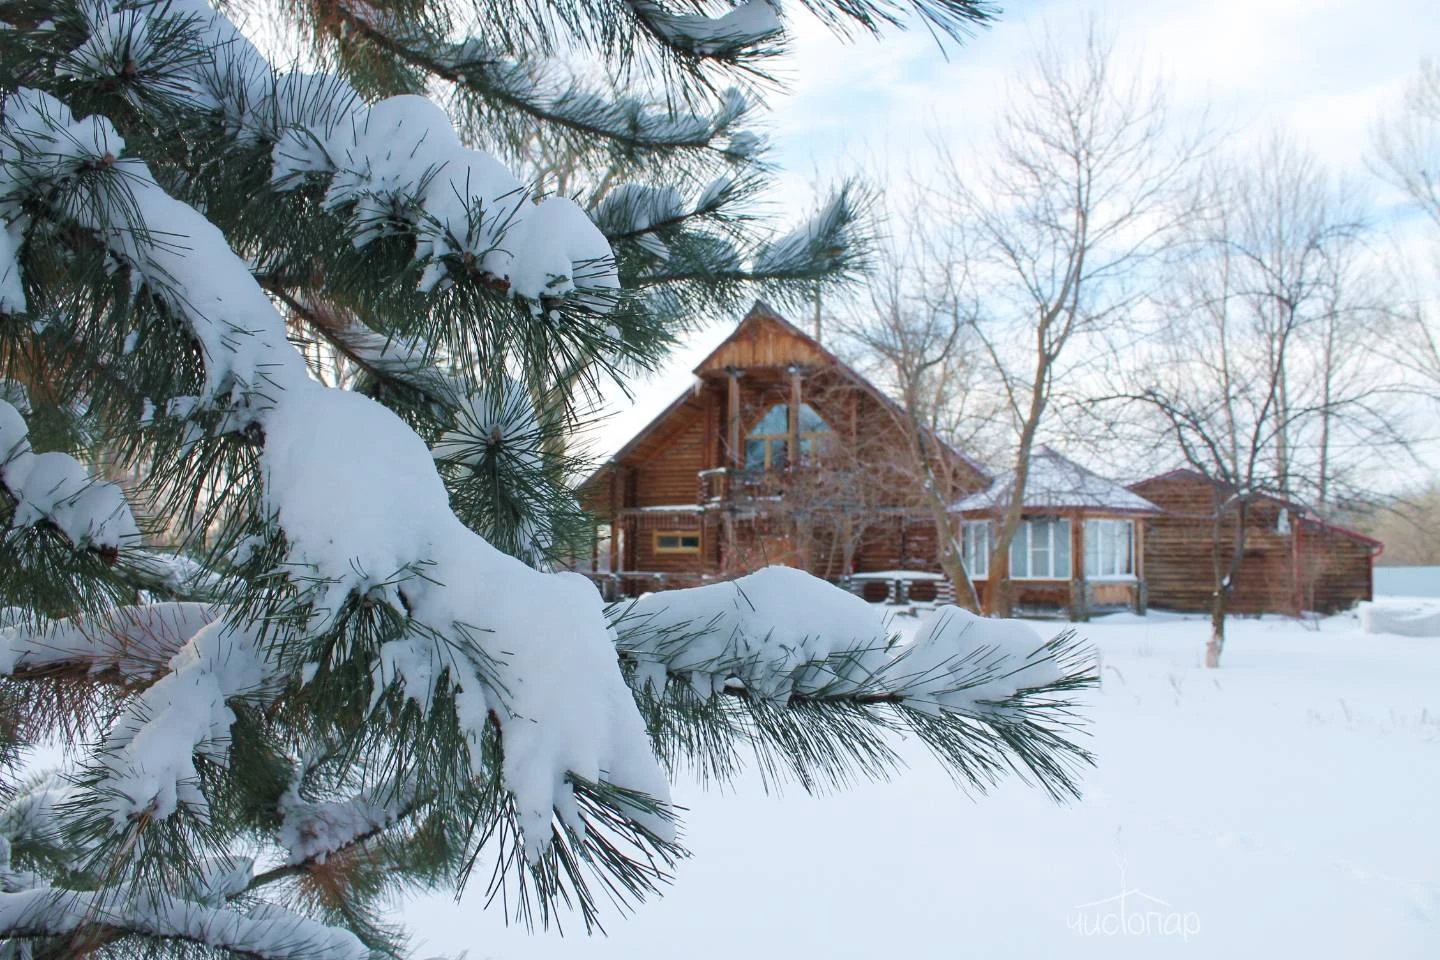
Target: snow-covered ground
(1286, 805)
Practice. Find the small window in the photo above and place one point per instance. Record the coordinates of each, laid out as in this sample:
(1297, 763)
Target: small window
(922, 591)
(976, 540)
(677, 541)
(1041, 550)
(1109, 549)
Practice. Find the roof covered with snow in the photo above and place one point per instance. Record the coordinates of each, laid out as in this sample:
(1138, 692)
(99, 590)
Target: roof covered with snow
(1056, 482)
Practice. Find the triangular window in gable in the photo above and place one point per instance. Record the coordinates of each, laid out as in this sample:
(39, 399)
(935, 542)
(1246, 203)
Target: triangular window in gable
(767, 445)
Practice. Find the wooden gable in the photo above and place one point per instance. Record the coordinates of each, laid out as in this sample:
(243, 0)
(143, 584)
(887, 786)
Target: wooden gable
(765, 340)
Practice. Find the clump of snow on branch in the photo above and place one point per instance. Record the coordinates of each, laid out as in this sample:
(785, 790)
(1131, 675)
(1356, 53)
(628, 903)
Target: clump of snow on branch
(401, 166)
(779, 633)
(558, 695)
(136, 640)
(312, 831)
(148, 757)
(959, 661)
(55, 488)
(12, 292)
(750, 23)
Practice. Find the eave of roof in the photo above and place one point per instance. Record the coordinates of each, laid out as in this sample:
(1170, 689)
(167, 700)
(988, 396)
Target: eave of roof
(1306, 517)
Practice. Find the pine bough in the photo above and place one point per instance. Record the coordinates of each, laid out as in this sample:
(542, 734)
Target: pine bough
(374, 695)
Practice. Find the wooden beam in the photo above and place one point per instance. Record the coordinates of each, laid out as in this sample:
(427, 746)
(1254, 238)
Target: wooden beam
(792, 453)
(711, 413)
(615, 477)
(732, 432)
(1296, 566)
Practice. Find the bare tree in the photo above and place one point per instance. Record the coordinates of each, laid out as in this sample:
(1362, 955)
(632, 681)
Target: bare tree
(1406, 154)
(915, 335)
(1407, 145)
(1294, 237)
(1059, 230)
(1213, 384)
(1409, 526)
(1257, 367)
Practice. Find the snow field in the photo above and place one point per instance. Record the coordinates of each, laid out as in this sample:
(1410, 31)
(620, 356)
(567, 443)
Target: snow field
(1281, 806)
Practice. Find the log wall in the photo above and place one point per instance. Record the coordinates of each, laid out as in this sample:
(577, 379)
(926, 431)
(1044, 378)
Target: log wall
(1306, 567)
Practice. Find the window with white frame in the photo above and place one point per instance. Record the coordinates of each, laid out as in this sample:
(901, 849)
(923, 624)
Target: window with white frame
(976, 538)
(1041, 549)
(1109, 549)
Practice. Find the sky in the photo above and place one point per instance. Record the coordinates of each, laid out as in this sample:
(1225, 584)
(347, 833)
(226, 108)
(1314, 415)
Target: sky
(1321, 70)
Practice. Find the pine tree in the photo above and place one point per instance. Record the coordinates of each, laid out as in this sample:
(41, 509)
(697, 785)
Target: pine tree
(290, 363)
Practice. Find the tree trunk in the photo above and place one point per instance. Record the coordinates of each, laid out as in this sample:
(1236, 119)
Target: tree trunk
(952, 560)
(1225, 588)
(1014, 510)
(1219, 606)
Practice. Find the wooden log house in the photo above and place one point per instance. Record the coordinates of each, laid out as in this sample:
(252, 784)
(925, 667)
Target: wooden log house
(1293, 561)
(779, 453)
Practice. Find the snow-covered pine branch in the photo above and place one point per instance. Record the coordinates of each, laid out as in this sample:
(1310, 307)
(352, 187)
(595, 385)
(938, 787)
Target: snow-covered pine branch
(823, 249)
(743, 31)
(55, 488)
(985, 695)
(266, 931)
(505, 90)
(351, 524)
(645, 216)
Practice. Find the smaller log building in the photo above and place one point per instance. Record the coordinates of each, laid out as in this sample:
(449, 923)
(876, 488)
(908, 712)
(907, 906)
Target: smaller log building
(1293, 560)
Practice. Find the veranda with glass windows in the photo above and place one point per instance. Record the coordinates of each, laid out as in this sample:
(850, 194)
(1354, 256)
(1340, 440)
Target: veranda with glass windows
(1075, 561)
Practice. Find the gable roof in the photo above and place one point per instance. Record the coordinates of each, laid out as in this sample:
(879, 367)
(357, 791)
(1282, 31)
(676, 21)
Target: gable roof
(1056, 482)
(766, 331)
(1306, 514)
(765, 335)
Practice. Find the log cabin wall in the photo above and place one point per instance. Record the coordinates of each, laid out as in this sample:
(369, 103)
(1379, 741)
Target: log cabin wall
(1287, 567)
(1338, 571)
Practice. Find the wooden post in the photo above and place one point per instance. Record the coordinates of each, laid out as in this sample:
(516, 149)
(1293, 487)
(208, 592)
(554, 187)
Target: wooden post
(1142, 592)
(732, 430)
(1296, 566)
(615, 504)
(792, 453)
